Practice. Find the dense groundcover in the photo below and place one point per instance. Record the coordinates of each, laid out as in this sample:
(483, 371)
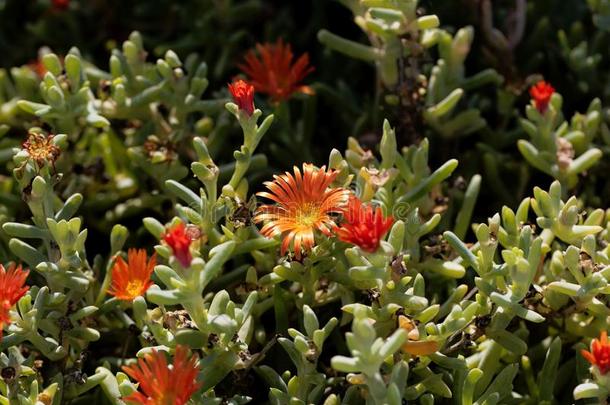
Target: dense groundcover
(304, 202)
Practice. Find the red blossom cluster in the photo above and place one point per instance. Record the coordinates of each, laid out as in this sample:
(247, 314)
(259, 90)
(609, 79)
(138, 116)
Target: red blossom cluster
(305, 203)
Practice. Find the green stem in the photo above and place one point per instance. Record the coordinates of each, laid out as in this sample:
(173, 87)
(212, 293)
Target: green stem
(196, 310)
(104, 286)
(462, 220)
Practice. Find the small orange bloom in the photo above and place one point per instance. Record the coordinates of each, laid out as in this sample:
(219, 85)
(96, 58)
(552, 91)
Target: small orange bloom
(160, 384)
(273, 73)
(132, 279)
(413, 345)
(541, 93)
(243, 95)
(11, 290)
(364, 226)
(600, 353)
(304, 204)
(178, 239)
(38, 67)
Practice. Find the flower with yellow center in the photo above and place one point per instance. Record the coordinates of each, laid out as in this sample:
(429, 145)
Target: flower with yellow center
(132, 279)
(304, 203)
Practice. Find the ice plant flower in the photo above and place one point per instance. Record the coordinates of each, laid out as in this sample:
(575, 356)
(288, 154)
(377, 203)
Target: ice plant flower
(60, 5)
(37, 67)
(41, 148)
(132, 279)
(413, 345)
(364, 225)
(541, 93)
(273, 72)
(599, 355)
(304, 204)
(243, 95)
(177, 238)
(12, 288)
(163, 385)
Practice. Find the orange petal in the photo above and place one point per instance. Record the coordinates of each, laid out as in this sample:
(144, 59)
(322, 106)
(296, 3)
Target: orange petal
(421, 348)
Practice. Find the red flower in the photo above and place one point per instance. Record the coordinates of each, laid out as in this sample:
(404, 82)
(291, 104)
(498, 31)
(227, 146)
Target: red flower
(541, 93)
(600, 353)
(243, 95)
(178, 239)
(132, 280)
(272, 71)
(61, 4)
(160, 384)
(11, 290)
(364, 226)
(38, 67)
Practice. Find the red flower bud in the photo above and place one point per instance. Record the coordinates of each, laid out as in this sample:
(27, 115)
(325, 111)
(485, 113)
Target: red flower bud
(178, 239)
(541, 93)
(243, 95)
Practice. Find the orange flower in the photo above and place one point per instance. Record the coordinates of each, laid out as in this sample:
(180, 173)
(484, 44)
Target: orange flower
(272, 71)
(132, 279)
(160, 384)
(600, 353)
(38, 67)
(304, 203)
(541, 93)
(178, 239)
(413, 345)
(243, 95)
(364, 226)
(11, 290)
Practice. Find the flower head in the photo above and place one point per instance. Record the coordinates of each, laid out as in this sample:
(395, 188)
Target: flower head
(364, 226)
(304, 204)
(243, 95)
(12, 288)
(178, 239)
(132, 279)
(600, 353)
(273, 72)
(61, 5)
(37, 67)
(541, 93)
(41, 148)
(160, 384)
(414, 346)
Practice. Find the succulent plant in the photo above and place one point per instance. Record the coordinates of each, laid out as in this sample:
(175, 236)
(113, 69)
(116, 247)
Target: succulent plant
(394, 212)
